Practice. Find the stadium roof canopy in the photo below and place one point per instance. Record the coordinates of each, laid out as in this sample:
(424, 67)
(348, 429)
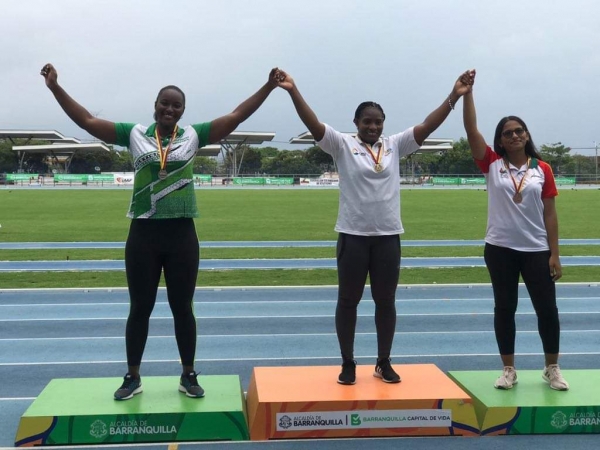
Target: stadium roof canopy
(236, 140)
(431, 145)
(209, 150)
(42, 135)
(67, 151)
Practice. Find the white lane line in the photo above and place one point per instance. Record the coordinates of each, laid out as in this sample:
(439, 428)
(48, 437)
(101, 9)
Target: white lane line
(286, 302)
(323, 316)
(334, 357)
(17, 399)
(283, 335)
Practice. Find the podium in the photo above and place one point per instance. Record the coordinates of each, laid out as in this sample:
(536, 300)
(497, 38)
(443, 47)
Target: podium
(531, 407)
(307, 402)
(83, 411)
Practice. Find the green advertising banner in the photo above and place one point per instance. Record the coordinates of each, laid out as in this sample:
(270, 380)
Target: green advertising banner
(101, 178)
(477, 181)
(70, 177)
(201, 178)
(21, 176)
(249, 180)
(445, 180)
(565, 180)
(279, 181)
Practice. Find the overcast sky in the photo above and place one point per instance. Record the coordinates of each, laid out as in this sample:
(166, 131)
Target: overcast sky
(538, 59)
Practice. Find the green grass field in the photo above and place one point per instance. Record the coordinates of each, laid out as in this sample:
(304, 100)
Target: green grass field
(264, 214)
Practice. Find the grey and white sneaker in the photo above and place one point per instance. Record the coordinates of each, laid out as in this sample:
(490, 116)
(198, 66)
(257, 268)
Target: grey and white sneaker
(508, 378)
(554, 378)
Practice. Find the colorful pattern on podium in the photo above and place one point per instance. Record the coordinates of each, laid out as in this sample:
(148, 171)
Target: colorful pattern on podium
(531, 407)
(307, 402)
(83, 411)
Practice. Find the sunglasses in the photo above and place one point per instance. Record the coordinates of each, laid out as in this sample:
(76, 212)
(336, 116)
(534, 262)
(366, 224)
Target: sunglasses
(518, 131)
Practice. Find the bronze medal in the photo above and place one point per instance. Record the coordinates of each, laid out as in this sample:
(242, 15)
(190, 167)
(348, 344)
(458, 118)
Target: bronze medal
(517, 198)
(378, 168)
(162, 174)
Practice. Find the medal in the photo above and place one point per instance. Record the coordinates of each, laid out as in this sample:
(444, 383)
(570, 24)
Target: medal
(517, 198)
(376, 159)
(162, 154)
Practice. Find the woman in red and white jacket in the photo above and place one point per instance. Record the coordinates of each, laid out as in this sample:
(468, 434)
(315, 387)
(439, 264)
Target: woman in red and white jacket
(521, 237)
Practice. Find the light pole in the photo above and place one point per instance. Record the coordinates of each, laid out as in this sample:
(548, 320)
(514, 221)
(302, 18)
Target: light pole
(596, 160)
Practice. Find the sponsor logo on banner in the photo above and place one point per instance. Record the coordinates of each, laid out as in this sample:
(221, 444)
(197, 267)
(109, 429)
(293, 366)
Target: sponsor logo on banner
(559, 420)
(581, 418)
(411, 418)
(99, 429)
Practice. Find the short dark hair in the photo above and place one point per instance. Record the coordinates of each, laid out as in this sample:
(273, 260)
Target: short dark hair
(365, 105)
(530, 149)
(166, 88)
(175, 88)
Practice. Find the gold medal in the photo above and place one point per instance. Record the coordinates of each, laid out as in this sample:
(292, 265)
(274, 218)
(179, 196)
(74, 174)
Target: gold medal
(376, 159)
(518, 198)
(162, 174)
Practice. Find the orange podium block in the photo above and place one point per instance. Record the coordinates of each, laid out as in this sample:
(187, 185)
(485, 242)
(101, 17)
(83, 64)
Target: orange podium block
(307, 402)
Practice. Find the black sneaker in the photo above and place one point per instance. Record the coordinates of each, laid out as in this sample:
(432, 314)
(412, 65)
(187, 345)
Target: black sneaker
(188, 384)
(384, 370)
(130, 387)
(348, 374)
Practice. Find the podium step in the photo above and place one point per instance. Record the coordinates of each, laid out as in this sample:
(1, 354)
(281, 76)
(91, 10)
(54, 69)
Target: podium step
(83, 411)
(531, 407)
(307, 402)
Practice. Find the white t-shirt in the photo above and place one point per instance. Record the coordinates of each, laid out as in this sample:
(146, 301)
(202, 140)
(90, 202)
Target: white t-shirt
(369, 200)
(519, 226)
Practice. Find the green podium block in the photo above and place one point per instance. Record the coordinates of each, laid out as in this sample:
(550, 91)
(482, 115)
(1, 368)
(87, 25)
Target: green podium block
(83, 411)
(531, 407)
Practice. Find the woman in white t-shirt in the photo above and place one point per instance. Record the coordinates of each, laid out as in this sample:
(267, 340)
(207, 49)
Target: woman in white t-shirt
(521, 237)
(368, 223)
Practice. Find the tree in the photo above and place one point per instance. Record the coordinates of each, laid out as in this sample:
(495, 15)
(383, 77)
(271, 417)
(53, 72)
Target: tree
(9, 162)
(318, 158)
(290, 162)
(251, 162)
(458, 160)
(557, 155)
(204, 164)
(86, 162)
(122, 161)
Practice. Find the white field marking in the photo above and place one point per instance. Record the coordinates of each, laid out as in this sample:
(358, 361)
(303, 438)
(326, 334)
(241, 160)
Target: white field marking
(298, 358)
(293, 317)
(15, 399)
(284, 302)
(256, 288)
(282, 335)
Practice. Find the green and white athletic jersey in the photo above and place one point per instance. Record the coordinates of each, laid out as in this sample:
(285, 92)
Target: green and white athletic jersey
(174, 196)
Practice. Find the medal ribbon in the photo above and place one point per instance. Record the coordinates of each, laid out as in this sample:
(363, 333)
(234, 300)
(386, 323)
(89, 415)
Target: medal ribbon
(376, 159)
(518, 188)
(162, 154)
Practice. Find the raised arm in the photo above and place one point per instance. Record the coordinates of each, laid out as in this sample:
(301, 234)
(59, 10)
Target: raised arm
(476, 140)
(224, 125)
(306, 114)
(99, 128)
(438, 115)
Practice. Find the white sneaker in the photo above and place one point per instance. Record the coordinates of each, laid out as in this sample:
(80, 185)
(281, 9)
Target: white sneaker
(508, 378)
(554, 378)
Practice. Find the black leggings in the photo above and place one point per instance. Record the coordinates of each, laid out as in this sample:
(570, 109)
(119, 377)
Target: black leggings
(154, 245)
(357, 256)
(505, 265)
